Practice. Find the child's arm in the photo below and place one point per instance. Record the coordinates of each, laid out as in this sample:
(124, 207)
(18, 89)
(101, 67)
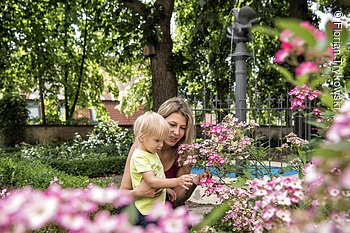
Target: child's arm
(183, 181)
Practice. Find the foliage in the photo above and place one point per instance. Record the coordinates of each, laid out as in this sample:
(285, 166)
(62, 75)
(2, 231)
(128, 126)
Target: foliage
(105, 140)
(320, 200)
(13, 117)
(20, 173)
(202, 36)
(90, 167)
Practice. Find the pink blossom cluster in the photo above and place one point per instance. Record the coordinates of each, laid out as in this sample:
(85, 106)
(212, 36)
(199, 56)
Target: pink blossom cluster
(188, 154)
(293, 46)
(215, 160)
(341, 127)
(77, 210)
(331, 177)
(239, 217)
(262, 205)
(327, 187)
(224, 143)
(274, 199)
(301, 94)
(170, 220)
(211, 184)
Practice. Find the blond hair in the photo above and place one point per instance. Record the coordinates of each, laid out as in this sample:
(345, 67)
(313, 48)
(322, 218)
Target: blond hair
(178, 105)
(151, 124)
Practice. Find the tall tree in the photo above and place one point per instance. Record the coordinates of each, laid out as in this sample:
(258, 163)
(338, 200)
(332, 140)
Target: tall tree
(159, 45)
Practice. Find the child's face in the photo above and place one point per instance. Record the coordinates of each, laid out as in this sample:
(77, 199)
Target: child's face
(152, 144)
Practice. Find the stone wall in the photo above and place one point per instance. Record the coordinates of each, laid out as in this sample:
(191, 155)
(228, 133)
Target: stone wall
(48, 134)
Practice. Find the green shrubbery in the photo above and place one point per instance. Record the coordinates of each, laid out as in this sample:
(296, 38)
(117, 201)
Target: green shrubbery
(19, 173)
(107, 139)
(91, 167)
(75, 164)
(13, 117)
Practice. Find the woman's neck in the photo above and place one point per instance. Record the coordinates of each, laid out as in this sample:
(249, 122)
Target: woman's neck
(167, 151)
(167, 156)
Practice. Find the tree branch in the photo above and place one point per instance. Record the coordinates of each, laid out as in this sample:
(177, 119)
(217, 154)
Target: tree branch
(136, 6)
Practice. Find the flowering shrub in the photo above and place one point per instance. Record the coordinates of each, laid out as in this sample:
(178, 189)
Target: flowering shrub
(225, 143)
(306, 41)
(262, 205)
(326, 181)
(300, 149)
(77, 210)
(320, 201)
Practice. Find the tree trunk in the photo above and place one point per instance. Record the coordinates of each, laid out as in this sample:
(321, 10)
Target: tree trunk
(298, 9)
(42, 102)
(164, 82)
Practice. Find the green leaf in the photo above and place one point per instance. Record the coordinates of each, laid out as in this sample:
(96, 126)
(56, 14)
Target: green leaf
(317, 124)
(240, 182)
(325, 152)
(293, 25)
(344, 36)
(327, 100)
(216, 214)
(302, 79)
(285, 72)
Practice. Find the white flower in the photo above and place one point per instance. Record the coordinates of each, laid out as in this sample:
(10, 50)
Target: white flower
(40, 210)
(284, 215)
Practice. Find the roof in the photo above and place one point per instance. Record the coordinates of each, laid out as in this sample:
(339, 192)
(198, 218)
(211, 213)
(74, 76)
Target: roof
(118, 116)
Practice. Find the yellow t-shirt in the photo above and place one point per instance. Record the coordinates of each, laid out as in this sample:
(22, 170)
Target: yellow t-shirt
(142, 161)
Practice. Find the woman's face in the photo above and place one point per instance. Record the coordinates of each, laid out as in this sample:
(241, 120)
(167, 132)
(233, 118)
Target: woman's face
(177, 124)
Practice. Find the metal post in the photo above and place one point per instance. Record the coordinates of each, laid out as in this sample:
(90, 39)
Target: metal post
(240, 33)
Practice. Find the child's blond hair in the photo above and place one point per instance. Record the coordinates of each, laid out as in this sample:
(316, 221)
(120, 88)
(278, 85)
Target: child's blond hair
(151, 124)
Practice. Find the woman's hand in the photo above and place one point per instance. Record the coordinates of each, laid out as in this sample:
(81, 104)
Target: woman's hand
(144, 190)
(171, 194)
(206, 174)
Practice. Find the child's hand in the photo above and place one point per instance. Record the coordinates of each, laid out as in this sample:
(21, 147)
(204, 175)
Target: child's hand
(171, 194)
(185, 181)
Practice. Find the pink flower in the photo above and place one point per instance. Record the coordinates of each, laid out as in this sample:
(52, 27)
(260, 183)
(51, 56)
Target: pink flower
(285, 36)
(281, 55)
(341, 127)
(316, 111)
(305, 68)
(268, 213)
(284, 215)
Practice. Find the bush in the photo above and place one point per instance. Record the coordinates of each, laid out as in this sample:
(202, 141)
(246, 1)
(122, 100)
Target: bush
(107, 139)
(13, 117)
(19, 173)
(91, 167)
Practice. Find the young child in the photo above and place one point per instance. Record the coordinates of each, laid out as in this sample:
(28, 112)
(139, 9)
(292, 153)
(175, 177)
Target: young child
(150, 130)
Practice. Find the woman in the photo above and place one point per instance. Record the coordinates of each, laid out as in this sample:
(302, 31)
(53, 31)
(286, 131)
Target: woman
(180, 120)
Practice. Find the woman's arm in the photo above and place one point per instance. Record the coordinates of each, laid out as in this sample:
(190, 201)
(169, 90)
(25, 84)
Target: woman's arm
(143, 190)
(126, 180)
